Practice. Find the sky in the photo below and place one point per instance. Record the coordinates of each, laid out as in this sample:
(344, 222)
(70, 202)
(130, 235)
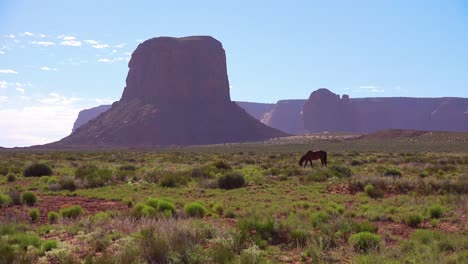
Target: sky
(59, 57)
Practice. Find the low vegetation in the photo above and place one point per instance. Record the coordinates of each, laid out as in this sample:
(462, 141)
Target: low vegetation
(393, 201)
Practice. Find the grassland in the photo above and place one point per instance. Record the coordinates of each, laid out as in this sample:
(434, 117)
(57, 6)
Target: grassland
(380, 200)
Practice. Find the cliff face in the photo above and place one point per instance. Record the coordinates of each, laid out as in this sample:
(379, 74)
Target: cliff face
(88, 114)
(325, 111)
(286, 115)
(177, 93)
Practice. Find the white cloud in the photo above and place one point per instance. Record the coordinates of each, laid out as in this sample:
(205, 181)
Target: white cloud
(2, 52)
(11, 36)
(3, 84)
(72, 43)
(50, 123)
(65, 37)
(29, 34)
(45, 68)
(127, 53)
(56, 99)
(121, 45)
(104, 60)
(8, 71)
(102, 101)
(42, 35)
(90, 41)
(19, 89)
(100, 46)
(113, 60)
(3, 99)
(368, 87)
(377, 90)
(44, 43)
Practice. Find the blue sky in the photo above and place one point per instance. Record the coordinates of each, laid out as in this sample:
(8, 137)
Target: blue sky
(58, 57)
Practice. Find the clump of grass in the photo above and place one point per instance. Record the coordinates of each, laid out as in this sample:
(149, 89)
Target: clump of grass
(413, 220)
(5, 200)
(173, 179)
(28, 198)
(72, 212)
(128, 202)
(231, 180)
(373, 192)
(11, 177)
(222, 165)
(365, 241)
(53, 217)
(195, 209)
(34, 214)
(166, 206)
(365, 226)
(37, 170)
(435, 211)
(393, 172)
(48, 245)
(219, 209)
(92, 176)
(142, 210)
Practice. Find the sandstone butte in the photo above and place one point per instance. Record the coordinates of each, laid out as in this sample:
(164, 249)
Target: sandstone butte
(176, 93)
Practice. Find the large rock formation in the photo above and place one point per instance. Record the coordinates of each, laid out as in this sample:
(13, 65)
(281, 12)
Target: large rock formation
(325, 111)
(257, 110)
(84, 116)
(286, 115)
(177, 93)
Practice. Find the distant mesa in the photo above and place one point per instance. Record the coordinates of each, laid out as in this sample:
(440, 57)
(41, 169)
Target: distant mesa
(88, 114)
(177, 93)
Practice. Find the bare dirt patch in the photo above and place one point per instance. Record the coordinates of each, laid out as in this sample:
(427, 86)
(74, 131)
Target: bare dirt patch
(48, 203)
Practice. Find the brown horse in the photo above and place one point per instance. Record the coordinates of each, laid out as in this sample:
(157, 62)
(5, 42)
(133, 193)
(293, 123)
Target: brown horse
(313, 155)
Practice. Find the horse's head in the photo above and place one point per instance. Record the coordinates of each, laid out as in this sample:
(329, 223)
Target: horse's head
(301, 161)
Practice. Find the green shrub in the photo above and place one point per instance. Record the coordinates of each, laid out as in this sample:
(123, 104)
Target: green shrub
(4, 170)
(48, 245)
(165, 206)
(413, 220)
(317, 218)
(153, 202)
(373, 192)
(5, 200)
(365, 226)
(218, 208)
(34, 214)
(142, 210)
(173, 179)
(11, 177)
(195, 210)
(99, 216)
(128, 201)
(365, 241)
(435, 211)
(93, 176)
(7, 252)
(67, 183)
(24, 240)
(341, 172)
(52, 180)
(28, 198)
(222, 165)
(37, 170)
(230, 213)
(231, 180)
(72, 212)
(53, 216)
(424, 174)
(393, 172)
(263, 230)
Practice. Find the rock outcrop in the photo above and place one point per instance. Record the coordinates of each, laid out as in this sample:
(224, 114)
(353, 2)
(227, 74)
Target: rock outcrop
(177, 93)
(325, 111)
(286, 115)
(257, 110)
(84, 116)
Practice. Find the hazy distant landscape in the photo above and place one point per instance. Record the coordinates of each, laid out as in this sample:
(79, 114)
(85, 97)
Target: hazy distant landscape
(306, 132)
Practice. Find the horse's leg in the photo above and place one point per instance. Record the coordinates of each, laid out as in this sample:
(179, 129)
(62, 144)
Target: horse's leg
(311, 165)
